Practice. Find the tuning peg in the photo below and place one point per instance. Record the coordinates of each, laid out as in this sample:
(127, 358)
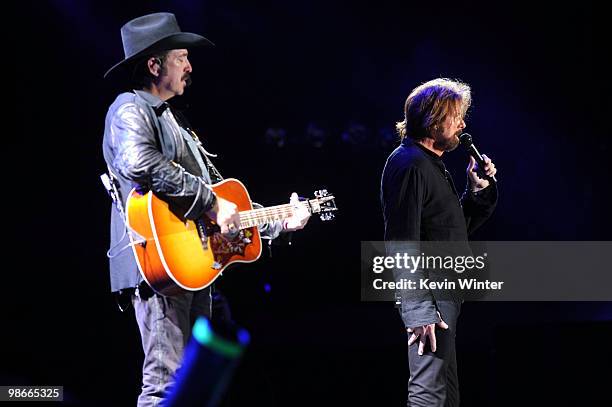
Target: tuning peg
(321, 193)
(327, 216)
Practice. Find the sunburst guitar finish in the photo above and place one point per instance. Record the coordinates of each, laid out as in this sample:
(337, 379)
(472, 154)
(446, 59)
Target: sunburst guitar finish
(174, 255)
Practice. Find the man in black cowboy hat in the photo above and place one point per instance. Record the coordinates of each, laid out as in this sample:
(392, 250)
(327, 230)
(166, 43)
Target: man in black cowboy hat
(149, 146)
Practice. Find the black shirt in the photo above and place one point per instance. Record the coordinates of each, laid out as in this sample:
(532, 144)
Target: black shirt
(420, 203)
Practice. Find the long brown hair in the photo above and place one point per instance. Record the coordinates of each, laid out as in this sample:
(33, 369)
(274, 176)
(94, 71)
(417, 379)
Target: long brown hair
(429, 104)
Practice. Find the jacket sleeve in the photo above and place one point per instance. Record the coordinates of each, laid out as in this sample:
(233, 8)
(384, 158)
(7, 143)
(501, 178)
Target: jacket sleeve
(418, 305)
(139, 159)
(478, 206)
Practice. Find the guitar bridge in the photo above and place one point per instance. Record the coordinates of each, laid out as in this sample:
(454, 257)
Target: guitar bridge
(202, 233)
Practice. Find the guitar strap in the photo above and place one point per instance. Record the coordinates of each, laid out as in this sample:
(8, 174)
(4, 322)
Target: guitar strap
(110, 183)
(215, 175)
(182, 121)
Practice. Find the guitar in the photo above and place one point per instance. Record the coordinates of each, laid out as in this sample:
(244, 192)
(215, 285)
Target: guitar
(178, 254)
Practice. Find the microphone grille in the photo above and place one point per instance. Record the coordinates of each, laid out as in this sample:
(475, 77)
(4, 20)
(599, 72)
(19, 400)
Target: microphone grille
(465, 139)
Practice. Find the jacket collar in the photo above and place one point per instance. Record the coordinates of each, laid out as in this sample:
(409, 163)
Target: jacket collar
(156, 103)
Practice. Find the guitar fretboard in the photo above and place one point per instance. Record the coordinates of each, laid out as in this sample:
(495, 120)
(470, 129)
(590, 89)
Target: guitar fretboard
(256, 217)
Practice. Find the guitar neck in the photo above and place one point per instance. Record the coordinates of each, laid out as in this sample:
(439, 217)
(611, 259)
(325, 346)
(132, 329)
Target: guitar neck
(257, 217)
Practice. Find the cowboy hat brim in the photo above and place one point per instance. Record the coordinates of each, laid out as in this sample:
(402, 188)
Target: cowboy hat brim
(173, 41)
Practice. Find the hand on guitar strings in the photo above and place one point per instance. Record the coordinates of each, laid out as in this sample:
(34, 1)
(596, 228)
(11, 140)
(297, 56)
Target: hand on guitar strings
(226, 216)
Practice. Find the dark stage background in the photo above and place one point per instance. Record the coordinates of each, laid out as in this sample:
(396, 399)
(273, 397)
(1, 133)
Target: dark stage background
(332, 77)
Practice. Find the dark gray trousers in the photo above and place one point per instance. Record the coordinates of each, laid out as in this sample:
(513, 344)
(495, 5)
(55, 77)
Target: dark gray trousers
(433, 376)
(165, 327)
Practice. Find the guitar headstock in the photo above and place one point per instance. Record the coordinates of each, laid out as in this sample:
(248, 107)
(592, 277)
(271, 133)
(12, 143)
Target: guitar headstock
(324, 204)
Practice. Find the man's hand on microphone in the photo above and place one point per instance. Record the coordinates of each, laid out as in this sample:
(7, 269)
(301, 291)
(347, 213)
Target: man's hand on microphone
(477, 183)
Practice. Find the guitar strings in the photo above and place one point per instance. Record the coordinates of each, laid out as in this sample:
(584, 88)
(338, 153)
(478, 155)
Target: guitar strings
(255, 217)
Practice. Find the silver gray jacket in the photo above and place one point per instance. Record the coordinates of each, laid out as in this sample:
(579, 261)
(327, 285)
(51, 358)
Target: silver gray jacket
(144, 149)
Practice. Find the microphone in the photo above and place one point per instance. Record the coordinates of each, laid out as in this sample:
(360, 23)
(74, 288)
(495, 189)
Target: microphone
(466, 142)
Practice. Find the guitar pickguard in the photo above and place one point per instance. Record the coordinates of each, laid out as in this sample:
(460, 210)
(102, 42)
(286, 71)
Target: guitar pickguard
(225, 248)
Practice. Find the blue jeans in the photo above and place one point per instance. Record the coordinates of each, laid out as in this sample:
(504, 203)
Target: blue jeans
(165, 327)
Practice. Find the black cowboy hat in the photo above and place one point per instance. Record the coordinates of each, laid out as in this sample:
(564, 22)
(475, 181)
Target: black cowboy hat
(153, 33)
